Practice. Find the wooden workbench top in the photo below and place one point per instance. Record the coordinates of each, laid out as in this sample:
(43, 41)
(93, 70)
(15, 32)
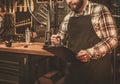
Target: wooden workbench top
(33, 48)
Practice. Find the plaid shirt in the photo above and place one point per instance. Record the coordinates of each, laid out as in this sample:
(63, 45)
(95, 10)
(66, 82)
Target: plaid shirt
(103, 24)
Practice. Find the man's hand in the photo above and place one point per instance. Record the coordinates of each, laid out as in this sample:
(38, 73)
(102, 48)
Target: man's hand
(33, 34)
(83, 56)
(55, 40)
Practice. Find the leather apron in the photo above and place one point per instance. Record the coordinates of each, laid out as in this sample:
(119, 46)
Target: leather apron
(81, 35)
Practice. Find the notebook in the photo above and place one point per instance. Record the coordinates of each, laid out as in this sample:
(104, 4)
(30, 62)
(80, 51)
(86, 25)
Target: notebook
(61, 51)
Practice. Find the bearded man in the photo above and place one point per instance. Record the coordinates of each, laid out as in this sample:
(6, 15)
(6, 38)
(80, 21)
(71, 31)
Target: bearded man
(90, 31)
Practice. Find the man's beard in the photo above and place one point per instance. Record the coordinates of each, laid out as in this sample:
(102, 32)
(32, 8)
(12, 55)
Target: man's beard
(78, 6)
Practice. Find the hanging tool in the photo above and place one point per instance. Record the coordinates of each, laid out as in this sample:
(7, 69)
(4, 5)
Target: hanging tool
(48, 32)
(25, 6)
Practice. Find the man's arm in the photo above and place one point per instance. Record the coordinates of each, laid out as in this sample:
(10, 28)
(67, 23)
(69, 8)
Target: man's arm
(108, 32)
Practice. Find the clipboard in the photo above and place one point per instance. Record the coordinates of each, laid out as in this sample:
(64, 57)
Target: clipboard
(61, 52)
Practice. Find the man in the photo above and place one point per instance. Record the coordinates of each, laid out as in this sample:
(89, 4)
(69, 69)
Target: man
(89, 31)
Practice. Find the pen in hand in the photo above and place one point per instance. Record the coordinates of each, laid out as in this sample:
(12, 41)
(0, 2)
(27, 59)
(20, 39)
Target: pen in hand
(55, 40)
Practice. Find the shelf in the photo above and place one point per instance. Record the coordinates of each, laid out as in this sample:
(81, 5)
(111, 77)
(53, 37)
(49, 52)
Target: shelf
(23, 24)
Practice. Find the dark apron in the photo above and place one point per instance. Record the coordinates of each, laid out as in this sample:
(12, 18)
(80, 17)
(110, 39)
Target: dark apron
(81, 35)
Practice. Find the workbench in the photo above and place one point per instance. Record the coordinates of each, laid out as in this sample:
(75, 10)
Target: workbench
(23, 63)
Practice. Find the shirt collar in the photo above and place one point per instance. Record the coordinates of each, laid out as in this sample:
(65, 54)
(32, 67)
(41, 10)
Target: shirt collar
(86, 6)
